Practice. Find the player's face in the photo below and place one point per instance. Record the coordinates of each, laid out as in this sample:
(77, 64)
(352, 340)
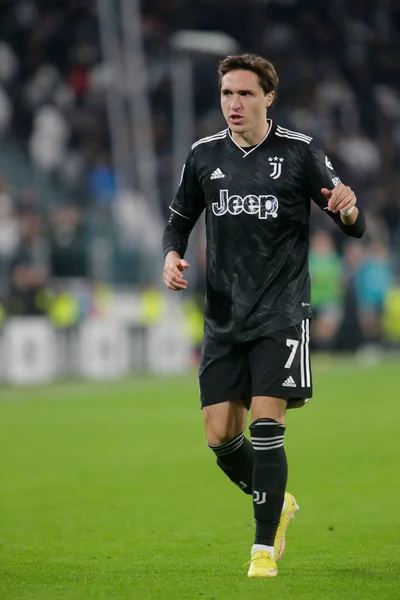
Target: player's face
(244, 102)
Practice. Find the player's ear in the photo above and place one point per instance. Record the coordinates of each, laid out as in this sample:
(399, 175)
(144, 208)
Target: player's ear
(269, 98)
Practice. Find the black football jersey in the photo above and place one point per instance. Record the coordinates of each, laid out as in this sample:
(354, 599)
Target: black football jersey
(257, 210)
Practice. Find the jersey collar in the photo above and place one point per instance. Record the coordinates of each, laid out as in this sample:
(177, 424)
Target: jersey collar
(246, 153)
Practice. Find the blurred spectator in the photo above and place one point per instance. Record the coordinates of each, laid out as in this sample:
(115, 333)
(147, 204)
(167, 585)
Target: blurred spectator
(48, 139)
(102, 181)
(8, 63)
(33, 245)
(9, 231)
(326, 289)
(360, 153)
(372, 284)
(5, 112)
(349, 335)
(66, 239)
(27, 292)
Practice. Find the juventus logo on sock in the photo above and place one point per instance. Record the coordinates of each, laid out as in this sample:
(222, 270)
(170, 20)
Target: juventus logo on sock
(260, 498)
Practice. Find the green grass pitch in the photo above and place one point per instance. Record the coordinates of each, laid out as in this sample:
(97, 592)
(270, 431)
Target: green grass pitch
(107, 491)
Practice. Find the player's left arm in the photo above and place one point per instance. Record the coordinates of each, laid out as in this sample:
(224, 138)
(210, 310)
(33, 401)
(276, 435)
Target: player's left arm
(326, 189)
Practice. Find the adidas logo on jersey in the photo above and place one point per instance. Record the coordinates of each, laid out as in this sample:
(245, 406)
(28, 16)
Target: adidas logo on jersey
(290, 382)
(218, 174)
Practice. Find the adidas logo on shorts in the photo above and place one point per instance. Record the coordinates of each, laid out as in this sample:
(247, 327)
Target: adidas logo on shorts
(290, 382)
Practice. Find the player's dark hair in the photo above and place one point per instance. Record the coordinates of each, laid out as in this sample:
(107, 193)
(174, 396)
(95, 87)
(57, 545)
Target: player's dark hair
(251, 62)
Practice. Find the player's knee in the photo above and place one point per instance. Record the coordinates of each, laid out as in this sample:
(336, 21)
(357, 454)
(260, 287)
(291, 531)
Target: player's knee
(267, 407)
(219, 430)
(219, 434)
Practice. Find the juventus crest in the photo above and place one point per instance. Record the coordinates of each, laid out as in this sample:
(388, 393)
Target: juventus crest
(276, 164)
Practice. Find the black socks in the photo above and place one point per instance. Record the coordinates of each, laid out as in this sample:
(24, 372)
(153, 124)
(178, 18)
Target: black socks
(236, 459)
(269, 477)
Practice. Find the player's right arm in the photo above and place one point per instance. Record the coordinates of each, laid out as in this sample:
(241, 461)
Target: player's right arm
(186, 208)
(330, 194)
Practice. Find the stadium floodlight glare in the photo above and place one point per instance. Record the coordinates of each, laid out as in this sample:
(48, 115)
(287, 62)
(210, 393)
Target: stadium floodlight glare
(204, 42)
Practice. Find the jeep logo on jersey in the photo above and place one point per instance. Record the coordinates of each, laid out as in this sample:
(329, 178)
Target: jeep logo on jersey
(263, 206)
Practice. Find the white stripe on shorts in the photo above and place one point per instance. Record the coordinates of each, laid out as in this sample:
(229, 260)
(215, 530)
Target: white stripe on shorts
(305, 371)
(307, 356)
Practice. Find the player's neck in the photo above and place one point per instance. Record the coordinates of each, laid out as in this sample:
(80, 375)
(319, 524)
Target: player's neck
(252, 137)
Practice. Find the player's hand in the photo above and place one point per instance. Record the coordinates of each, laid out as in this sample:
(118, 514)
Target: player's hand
(341, 197)
(173, 268)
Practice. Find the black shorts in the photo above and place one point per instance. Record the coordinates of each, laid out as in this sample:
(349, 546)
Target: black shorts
(275, 365)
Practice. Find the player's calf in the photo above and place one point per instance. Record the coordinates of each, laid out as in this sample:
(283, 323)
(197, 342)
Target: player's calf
(235, 458)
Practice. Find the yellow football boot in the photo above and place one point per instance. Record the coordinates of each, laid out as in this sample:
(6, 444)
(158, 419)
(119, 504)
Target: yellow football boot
(262, 565)
(287, 514)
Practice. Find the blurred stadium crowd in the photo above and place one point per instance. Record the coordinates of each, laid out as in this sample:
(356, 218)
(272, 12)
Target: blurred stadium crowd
(339, 81)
